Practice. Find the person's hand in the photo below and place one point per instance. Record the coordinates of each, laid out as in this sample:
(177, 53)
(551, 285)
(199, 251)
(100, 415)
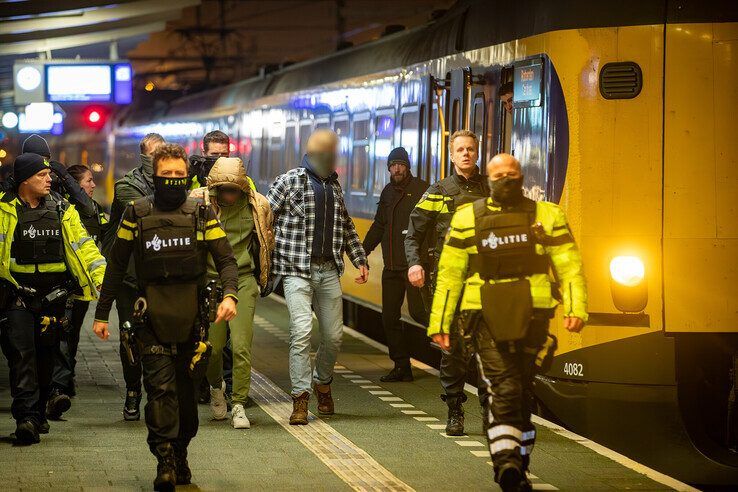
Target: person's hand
(573, 324)
(363, 274)
(416, 276)
(101, 329)
(226, 310)
(58, 168)
(442, 339)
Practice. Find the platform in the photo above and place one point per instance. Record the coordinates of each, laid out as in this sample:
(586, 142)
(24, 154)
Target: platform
(384, 436)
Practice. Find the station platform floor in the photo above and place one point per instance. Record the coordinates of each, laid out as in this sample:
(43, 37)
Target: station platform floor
(384, 436)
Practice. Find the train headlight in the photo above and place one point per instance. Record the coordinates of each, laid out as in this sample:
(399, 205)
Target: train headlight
(627, 283)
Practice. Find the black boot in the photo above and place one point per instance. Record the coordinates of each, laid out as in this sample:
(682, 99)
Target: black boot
(26, 432)
(57, 404)
(184, 474)
(131, 408)
(399, 373)
(455, 422)
(510, 478)
(166, 470)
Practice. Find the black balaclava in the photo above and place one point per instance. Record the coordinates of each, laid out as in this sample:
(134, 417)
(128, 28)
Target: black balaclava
(170, 193)
(507, 190)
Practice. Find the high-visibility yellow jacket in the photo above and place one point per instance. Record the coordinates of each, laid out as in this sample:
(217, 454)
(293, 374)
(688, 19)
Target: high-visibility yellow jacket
(83, 259)
(461, 244)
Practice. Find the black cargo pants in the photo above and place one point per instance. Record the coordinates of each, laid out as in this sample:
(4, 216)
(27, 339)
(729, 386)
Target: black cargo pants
(507, 373)
(31, 355)
(171, 394)
(63, 376)
(127, 295)
(394, 287)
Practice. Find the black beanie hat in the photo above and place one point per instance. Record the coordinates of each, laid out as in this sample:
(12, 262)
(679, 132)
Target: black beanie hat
(26, 165)
(36, 144)
(398, 154)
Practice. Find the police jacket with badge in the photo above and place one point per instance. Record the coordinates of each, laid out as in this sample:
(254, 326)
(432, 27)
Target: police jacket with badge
(432, 215)
(170, 251)
(49, 239)
(502, 257)
(391, 221)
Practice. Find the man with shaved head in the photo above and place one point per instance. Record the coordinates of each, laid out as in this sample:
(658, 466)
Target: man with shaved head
(312, 231)
(498, 258)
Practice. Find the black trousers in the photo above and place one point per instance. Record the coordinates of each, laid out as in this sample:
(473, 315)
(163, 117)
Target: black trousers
(395, 286)
(507, 372)
(31, 355)
(63, 375)
(127, 295)
(454, 368)
(171, 394)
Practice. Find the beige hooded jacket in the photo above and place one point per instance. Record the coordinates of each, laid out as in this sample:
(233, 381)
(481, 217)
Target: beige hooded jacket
(230, 171)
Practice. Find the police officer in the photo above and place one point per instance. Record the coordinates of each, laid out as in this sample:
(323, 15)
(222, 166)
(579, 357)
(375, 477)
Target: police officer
(137, 183)
(431, 217)
(499, 252)
(170, 237)
(396, 202)
(45, 256)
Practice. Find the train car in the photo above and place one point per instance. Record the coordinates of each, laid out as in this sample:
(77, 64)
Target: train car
(622, 114)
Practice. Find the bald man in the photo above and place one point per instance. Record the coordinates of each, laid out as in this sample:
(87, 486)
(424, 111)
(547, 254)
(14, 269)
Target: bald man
(313, 230)
(499, 252)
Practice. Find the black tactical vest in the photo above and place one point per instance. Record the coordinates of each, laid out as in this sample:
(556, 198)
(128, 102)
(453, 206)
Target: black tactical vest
(167, 250)
(505, 242)
(93, 226)
(38, 235)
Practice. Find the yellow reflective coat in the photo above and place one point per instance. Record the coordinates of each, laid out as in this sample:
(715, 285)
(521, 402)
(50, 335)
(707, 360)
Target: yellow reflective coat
(83, 259)
(461, 244)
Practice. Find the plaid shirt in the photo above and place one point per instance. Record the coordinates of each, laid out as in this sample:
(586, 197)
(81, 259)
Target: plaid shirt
(293, 203)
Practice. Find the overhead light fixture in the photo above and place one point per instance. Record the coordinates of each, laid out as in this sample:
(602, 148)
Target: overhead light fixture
(28, 78)
(10, 120)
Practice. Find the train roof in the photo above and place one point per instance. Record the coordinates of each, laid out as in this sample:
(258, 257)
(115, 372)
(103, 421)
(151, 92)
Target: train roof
(468, 25)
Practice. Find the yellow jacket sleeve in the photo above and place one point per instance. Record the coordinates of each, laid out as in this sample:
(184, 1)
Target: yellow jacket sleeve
(567, 263)
(87, 250)
(452, 268)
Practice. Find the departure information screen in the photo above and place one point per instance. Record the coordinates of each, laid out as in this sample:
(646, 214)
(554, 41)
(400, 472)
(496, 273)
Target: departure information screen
(89, 83)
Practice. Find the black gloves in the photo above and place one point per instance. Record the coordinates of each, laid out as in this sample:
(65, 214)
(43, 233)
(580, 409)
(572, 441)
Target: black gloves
(58, 168)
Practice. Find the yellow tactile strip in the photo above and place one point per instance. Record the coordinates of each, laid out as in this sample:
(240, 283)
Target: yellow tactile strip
(350, 463)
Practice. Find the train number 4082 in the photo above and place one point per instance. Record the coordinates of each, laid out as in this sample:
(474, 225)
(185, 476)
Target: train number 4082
(573, 369)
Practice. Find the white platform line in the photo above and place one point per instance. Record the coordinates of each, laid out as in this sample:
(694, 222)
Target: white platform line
(470, 444)
(426, 419)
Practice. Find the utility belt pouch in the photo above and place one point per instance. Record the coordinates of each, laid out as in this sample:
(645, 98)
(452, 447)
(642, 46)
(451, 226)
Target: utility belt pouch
(172, 310)
(507, 308)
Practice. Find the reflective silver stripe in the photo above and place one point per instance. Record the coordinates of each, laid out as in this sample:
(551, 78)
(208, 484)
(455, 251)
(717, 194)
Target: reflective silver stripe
(96, 264)
(84, 240)
(2, 238)
(530, 435)
(526, 450)
(502, 445)
(504, 430)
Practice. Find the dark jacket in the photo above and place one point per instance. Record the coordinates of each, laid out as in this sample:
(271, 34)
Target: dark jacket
(391, 222)
(432, 215)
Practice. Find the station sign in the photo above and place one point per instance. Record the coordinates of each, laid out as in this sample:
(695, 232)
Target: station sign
(528, 84)
(38, 81)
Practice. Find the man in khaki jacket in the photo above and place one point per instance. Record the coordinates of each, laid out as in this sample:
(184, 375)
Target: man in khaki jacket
(247, 220)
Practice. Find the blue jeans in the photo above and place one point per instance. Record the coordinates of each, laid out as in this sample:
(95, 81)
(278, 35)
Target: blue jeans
(323, 290)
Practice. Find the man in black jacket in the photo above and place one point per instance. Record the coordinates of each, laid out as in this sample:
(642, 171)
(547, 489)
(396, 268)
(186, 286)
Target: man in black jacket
(389, 227)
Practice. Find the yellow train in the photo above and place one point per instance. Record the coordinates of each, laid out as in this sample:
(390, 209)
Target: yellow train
(623, 114)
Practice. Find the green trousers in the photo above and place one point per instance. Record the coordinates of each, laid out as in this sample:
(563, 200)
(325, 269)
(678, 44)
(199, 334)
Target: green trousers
(242, 335)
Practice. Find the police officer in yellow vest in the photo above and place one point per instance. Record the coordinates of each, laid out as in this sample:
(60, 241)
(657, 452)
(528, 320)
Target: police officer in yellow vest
(46, 256)
(170, 237)
(499, 252)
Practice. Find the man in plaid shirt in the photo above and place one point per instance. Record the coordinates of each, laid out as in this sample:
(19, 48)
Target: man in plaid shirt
(312, 231)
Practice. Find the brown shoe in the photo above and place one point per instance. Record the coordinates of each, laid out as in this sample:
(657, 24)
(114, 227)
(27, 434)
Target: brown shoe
(300, 409)
(325, 400)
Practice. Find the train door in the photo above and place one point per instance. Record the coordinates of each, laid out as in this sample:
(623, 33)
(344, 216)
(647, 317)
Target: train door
(433, 130)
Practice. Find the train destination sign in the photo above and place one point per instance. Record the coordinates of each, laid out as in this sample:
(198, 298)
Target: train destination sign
(527, 82)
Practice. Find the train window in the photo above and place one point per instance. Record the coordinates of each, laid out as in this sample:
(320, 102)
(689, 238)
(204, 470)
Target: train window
(384, 130)
(360, 155)
(409, 137)
(341, 127)
(323, 123)
(306, 128)
(290, 145)
(478, 119)
(455, 116)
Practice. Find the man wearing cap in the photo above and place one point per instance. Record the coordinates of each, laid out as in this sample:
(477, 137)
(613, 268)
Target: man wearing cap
(46, 257)
(389, 228)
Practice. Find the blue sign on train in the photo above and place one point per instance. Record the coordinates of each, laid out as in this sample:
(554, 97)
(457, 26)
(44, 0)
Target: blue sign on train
(527, 85)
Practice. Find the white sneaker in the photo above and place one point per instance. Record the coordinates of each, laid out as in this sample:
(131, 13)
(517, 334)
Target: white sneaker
(240, 420)
(218, 403)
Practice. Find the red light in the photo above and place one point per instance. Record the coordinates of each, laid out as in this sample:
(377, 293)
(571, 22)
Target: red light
(93, 117)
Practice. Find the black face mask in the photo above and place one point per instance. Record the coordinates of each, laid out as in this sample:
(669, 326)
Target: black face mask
(170, 193)
(507, 190)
